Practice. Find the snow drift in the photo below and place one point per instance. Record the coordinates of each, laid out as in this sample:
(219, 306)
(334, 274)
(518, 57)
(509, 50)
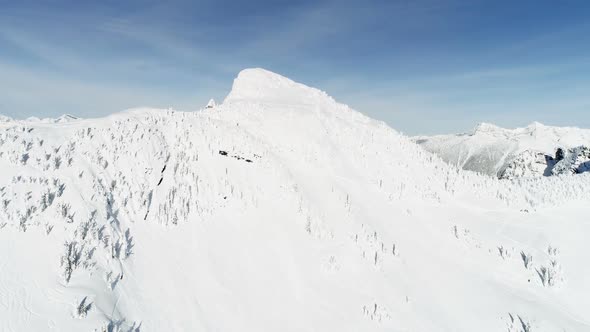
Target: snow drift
(278, 210)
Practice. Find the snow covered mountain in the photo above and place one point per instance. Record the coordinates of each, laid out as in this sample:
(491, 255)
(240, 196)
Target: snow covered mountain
(277, 210)
(507, 153)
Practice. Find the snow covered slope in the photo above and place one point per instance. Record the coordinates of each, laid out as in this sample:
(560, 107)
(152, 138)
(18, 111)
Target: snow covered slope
(278, 210)
(490, 149)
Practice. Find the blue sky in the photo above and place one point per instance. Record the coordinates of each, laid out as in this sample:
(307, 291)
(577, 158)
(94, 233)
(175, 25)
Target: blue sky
(424, 66)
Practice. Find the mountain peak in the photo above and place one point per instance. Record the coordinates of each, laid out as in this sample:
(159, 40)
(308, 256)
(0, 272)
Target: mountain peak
(485, 127)
(65, 118)
(257, 84)
(535, 126)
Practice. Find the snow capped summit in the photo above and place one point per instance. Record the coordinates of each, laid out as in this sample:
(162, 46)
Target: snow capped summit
(485, 127)
(285, 211)
(66, 118)
(536, 126)
(260, 85)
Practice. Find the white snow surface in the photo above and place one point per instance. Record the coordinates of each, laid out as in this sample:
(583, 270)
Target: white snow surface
(281, 210)
(489, 149)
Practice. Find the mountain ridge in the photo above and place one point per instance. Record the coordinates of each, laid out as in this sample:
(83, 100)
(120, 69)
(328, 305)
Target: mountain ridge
(490, 149)
(272, 212)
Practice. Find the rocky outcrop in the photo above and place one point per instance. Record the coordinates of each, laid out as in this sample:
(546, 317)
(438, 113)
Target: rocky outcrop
(572, 161)
(528, 164)
(536, 164)
(211, 104)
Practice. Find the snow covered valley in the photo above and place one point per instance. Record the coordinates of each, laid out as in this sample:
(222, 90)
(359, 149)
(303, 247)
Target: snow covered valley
(276, 210)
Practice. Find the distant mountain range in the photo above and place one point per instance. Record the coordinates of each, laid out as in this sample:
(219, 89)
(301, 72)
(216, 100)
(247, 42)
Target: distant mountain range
(533, 151)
